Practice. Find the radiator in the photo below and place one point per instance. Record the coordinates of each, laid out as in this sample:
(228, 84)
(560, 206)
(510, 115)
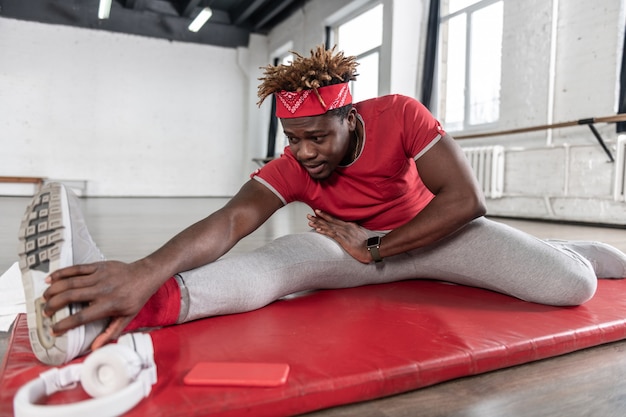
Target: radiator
(488, 165)
(619, 191)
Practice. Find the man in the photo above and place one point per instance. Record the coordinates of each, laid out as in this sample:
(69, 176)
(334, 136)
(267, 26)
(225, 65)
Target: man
(393, 199)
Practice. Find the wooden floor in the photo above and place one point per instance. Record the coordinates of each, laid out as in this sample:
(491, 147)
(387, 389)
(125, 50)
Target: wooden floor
(591, 382)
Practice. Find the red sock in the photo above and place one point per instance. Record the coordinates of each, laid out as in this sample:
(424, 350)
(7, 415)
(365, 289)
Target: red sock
(161, 309)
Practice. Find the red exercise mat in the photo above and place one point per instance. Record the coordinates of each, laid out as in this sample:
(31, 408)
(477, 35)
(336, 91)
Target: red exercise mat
(351, 345)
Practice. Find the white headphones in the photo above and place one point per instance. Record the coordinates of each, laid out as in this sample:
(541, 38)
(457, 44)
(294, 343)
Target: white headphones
(118, 375)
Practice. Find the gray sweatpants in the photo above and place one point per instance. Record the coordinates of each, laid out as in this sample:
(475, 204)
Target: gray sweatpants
(483, 254)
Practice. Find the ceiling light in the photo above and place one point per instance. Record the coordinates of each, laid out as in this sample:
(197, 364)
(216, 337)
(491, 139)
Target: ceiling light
(105, 9)
(200, 20)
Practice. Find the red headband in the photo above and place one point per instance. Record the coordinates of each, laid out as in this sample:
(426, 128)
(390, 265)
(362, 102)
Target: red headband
(290, 104)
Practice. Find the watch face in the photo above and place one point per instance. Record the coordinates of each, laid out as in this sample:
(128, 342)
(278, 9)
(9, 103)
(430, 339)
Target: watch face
(373, 243)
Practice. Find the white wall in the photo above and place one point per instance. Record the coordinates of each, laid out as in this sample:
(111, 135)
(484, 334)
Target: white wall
(132, 116)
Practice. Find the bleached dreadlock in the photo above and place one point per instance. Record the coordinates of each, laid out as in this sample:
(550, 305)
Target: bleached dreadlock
(324, 67)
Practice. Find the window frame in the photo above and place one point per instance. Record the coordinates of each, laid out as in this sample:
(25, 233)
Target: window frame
(332, 38)
(441, 88)
(276, 142)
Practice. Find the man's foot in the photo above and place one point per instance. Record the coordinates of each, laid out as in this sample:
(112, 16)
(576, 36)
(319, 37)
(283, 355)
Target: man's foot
(53, 235)
(607, 261)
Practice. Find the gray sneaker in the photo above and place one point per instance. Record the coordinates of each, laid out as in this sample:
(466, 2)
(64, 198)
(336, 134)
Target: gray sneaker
(606, 260)
(53, 235)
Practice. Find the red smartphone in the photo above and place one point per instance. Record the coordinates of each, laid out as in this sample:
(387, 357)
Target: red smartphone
(243, 374)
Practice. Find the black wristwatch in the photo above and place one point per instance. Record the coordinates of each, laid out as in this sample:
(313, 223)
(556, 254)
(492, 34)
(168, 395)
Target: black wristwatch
(373, 246)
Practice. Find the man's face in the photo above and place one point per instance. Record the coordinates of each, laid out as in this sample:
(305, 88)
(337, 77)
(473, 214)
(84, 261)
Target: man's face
(320, 143)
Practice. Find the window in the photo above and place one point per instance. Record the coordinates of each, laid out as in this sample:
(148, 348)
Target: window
(362, 36)
(470, 62)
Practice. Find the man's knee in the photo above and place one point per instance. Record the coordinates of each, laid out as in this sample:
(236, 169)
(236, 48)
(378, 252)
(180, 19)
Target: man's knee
(579, 289)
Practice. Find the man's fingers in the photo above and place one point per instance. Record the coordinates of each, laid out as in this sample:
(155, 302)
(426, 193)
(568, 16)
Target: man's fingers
(324, 216)
(59, 299)
(76, 284)
(72, 271)
(87, 314)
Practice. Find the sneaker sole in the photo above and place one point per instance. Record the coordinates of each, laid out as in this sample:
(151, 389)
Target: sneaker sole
(45, 245)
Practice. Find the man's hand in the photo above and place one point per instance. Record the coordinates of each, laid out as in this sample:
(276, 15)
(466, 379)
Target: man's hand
(109, 289)
(349, 235)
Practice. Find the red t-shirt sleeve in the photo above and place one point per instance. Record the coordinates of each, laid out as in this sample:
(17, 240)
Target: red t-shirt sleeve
(421, 129)
(284, 176)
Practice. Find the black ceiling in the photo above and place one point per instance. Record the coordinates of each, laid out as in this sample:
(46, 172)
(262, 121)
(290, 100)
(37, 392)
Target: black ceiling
(230, 26)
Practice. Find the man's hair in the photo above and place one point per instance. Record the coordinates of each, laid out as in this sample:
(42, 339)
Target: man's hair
(324, 67)
(341, 112)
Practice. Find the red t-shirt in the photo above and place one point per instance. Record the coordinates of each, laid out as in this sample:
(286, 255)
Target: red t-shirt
(381, 189)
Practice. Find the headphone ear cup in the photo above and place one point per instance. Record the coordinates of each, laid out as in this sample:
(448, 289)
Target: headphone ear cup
(109, 369)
